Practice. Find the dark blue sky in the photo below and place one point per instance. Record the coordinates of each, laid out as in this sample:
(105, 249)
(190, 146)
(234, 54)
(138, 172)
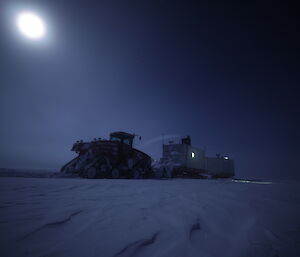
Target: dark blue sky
(223, 73)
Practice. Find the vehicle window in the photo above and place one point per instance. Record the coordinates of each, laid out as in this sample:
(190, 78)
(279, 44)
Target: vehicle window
(126, 141)
(115, 139)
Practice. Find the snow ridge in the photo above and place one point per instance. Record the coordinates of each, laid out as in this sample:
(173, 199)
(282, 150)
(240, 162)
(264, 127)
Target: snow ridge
(51, 224)
(134, 248)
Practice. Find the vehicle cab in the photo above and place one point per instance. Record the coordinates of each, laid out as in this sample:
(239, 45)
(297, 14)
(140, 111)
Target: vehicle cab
(122, 137)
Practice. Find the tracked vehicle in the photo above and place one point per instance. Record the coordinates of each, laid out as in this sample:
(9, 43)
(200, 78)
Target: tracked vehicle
(113, 158)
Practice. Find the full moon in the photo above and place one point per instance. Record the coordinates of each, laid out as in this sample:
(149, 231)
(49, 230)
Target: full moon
(31, 25)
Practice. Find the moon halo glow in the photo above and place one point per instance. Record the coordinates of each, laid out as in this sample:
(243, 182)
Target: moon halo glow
(31, 25)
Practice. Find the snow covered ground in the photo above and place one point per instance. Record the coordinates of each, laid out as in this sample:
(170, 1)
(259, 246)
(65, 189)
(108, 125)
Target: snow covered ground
(25, 173)
(46, 217)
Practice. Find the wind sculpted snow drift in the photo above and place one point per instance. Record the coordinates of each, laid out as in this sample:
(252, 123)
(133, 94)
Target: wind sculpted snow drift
(152, 218)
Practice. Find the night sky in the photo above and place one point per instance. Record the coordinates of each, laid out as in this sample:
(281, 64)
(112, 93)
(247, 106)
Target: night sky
(224, 73)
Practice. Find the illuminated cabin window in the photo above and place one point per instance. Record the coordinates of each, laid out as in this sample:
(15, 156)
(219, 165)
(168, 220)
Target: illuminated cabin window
(115, 139)
(126, 141)
(192, 154)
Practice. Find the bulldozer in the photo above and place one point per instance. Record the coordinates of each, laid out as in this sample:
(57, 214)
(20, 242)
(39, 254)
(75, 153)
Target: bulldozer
(113, 158)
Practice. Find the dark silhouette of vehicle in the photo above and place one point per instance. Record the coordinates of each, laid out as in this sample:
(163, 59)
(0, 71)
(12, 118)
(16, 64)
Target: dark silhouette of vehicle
(113, 158)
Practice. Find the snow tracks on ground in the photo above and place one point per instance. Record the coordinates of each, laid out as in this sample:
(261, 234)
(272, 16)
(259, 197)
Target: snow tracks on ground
(149, 218)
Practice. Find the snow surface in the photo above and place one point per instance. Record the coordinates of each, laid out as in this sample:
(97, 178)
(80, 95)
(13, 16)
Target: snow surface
(46, 217)
(25, 173)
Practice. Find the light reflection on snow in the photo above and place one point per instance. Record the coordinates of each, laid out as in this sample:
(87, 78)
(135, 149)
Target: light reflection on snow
(252, 181)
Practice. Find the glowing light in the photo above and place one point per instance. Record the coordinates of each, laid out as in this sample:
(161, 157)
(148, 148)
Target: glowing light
(31, 25)
(226, 157)
(252, 181)
(192, 154)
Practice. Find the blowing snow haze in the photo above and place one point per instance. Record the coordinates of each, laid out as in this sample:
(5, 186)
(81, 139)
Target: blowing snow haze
(223, 73)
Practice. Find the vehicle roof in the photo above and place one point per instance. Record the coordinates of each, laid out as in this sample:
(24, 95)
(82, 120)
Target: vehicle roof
(122, 134)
